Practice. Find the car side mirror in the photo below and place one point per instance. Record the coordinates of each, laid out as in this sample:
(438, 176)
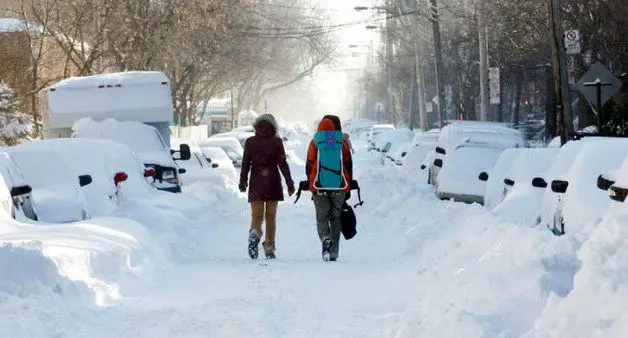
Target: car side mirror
(423, 166)
(438, 162)
(539, 182)
(618, 194)
(184, 152)
(483, 176)
(509, 182)
(149, 172)
(21, 190)
(603, 183)
(214, 165)
(182, 171)
(559, 186)
(440, 150)
(85, 180)
(120, 177)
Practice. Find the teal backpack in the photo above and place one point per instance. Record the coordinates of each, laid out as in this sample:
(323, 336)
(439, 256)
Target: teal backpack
(329, 164)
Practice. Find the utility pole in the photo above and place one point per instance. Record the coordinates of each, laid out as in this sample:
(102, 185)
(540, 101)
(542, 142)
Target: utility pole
(389, 60)
(439, 61)
(563, 106)
(482, 40)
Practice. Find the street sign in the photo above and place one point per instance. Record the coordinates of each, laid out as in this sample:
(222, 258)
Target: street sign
(572, 41)
(598, 73)
(493, 81)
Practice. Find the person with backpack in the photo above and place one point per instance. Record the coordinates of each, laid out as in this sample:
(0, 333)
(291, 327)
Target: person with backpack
(328, 169)
(264, 156)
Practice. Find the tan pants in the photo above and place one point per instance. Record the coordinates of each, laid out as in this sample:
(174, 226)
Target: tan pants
(261, 211)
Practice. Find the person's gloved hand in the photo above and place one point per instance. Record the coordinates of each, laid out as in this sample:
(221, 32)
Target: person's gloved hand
(242, 187)
(290, 190)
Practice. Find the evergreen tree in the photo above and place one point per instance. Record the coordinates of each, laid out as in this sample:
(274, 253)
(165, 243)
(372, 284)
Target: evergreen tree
(14, 125)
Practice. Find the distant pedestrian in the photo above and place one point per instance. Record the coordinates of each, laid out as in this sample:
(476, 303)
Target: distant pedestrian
(347, 139)
(264, 156)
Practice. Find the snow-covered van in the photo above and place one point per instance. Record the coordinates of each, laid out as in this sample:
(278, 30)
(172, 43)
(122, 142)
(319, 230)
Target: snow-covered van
(143, 97)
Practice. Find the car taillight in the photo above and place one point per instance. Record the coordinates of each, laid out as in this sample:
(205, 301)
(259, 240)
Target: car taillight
(149, 172)
(120, 177)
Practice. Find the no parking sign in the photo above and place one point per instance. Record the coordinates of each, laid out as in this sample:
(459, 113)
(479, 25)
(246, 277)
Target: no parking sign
(572, 41)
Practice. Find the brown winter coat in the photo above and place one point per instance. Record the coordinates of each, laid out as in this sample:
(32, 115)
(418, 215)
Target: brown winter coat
(264, 156)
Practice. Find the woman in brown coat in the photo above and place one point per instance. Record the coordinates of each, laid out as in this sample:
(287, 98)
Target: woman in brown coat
(264, 156)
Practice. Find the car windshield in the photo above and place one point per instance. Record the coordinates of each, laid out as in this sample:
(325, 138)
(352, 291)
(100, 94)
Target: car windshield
(138, 139)
(215, 154)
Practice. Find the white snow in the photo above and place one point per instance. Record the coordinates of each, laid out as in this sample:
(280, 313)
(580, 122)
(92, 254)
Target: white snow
(12, 25)
(175, 265)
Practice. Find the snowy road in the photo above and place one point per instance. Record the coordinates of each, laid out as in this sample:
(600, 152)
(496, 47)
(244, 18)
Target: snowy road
(418, 267)
(222, 293)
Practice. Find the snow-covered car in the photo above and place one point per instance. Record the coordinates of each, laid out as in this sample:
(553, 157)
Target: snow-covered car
(231, 145)
(522, 200)
(114, 169)
(15, 192)
(618, 186)
(494, 177)
(461, 132)
(426, 165)
(377, 130)
(422, 145)
(392, 144)
(197, 167)
(572, 201)
(241, 133)
(57, 191)
(244, 129)
(458, 180)
(145, 142)
(529, 163)
(358, 126)
(219, 159)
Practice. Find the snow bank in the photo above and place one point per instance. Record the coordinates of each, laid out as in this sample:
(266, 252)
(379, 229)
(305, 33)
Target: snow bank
(596, 307)
(101, 254)
(25, 271)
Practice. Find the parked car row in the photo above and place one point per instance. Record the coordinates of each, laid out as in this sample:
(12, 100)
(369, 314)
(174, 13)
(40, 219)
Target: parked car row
(566, 189)
(72, 179)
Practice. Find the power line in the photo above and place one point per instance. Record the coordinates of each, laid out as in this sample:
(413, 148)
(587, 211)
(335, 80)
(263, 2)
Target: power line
(315, 30)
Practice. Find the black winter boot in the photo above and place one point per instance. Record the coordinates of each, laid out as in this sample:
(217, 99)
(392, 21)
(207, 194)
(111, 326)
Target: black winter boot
(326, 249)
(253, 242)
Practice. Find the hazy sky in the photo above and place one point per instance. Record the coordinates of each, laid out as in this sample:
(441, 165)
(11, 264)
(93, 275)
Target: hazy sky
(332, 85)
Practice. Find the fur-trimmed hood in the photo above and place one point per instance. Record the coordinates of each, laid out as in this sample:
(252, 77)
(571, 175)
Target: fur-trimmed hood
(266, 125)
